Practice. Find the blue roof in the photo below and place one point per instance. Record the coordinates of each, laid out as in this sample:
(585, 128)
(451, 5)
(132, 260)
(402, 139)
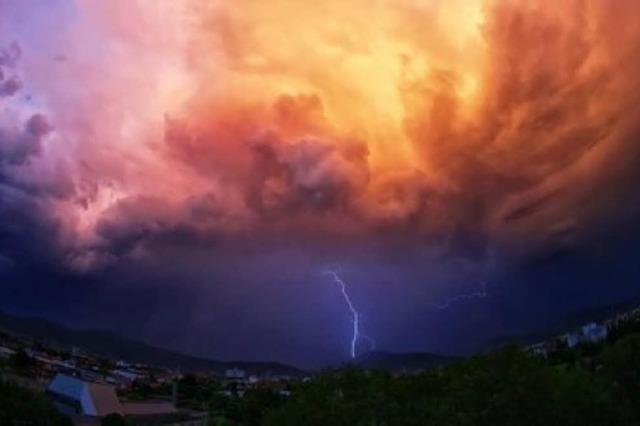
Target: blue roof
(67, 386)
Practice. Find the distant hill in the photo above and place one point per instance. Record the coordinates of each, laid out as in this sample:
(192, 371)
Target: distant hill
(115, 346)
(597, 314)
(397, 362)
(569, 323)
(500, 342)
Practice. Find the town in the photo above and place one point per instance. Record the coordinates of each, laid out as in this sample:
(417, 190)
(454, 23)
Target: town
(90, 388)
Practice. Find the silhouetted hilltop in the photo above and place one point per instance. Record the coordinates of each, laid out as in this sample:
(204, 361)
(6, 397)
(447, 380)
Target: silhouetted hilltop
(115, 346)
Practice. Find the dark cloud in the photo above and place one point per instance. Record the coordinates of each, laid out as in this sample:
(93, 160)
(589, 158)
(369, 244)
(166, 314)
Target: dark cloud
(18, 146)
(306, 174)
(10, 55)
(10, 86)
(28, 234)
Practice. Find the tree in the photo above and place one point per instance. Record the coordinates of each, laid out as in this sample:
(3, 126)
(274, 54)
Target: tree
(507, 388)
(20, 406)
(255, 403)
(22, 362)
(620, 366)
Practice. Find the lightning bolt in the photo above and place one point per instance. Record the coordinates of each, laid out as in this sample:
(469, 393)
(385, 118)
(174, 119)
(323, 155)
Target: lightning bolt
(355, 316)
(357, 335)
(461, 297)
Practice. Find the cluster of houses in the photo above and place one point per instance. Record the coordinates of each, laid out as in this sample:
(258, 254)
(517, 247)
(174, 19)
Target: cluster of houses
(47, 363)
(592, 332)
(86, 387)
(87, 401)
(235, 382)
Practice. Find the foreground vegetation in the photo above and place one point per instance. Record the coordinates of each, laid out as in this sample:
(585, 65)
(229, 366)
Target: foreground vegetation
(24, 407)
(591, 385)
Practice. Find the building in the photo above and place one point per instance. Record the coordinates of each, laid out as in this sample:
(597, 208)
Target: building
(235, 373)
(589, 333)
(6, 353)
(73, 396)
(594, 333)
(87, 402)
(128, 375)
(539, 349)
(572, 339)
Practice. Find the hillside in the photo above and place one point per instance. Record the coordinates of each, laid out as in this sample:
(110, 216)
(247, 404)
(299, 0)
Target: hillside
(115, 346)
(569, 323)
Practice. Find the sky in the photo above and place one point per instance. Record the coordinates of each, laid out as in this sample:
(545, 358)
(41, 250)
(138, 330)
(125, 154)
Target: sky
(188, 172)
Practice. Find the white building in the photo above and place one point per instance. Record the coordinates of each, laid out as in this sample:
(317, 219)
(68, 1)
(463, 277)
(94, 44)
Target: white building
(572, 339)
(85, 401)
(539, 349)
(593, 332)
(6, 352)
(127, 374)
(73, 396)
(235, 373)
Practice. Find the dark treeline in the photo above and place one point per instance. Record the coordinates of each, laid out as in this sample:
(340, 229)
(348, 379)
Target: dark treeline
(595, 385)
(24, 407)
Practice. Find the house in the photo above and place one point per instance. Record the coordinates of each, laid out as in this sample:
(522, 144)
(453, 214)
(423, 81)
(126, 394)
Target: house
(593, 332)
(235, 373)
(87, 402)
(127, 375)
(6, 353)
(73, 396)
(572, 339)
(539, 349)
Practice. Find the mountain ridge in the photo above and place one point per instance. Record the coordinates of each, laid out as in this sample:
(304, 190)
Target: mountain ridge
(114, 345)
(568, 323)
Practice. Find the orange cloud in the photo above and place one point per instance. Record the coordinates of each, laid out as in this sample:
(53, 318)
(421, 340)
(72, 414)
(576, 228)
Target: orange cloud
(506, 119)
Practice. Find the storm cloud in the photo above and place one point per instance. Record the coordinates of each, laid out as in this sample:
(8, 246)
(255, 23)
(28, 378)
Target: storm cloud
(421, 137)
